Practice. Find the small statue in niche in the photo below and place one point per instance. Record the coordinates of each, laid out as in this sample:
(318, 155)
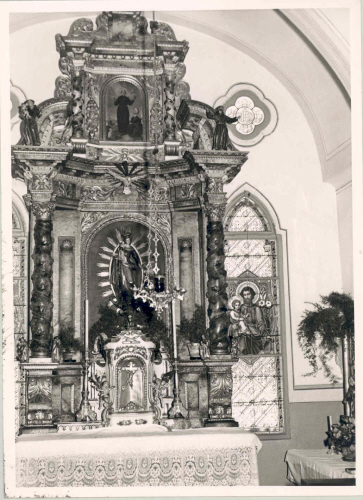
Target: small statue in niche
(158, 392)
(123, 115)
(98, 346)
(135, 127)
(22, 350)
(220, 134)
(103, 388)
(56, 350)
(204, 348)
(126, 267)
(29, 112)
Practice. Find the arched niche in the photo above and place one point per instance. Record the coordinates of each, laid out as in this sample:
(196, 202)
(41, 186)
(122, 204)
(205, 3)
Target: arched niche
(124, 120)
(100, 247)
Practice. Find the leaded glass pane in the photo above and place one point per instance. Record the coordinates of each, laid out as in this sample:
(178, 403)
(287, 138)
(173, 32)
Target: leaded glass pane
(254, 256)
(246, 216)
(257, 398)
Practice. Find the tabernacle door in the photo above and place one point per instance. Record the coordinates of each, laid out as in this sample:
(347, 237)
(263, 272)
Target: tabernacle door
(131, 373)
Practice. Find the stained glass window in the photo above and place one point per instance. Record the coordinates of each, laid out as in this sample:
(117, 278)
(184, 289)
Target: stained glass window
(246, 216)
(19, 279)
(253, 276)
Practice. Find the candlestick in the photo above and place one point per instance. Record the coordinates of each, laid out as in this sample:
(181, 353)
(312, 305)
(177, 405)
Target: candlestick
(85, 413)
(330, 422)
(177, 410)
(174, 329)
(86, 328)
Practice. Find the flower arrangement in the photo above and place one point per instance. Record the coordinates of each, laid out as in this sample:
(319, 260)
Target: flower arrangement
(68, 340)
(330, 322)
(194, 329)
(341, 438)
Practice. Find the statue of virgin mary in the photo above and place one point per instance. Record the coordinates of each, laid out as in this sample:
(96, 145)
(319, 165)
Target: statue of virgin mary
(126, 267)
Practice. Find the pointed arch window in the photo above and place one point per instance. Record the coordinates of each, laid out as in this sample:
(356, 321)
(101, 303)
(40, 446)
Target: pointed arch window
(253, 263)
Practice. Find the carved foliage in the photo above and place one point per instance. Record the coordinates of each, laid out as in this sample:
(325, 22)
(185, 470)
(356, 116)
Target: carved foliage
(96, 193)
(90, 218)
(92, 111)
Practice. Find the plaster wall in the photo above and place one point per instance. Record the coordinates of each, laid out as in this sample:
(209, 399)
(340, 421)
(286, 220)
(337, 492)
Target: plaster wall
(284, 167)
(308, 423)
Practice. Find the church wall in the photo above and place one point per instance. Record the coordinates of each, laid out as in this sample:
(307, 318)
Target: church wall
(345, 224)
(308, 422)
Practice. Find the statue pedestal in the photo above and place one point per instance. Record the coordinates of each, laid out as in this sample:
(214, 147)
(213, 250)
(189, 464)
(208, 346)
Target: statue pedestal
(220, 392)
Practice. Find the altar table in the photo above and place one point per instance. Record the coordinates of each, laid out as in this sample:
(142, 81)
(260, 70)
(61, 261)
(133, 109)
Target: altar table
(315, 464)
(195, 457)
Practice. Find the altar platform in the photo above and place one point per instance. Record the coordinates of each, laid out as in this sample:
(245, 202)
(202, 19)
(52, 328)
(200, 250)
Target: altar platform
(152, 456)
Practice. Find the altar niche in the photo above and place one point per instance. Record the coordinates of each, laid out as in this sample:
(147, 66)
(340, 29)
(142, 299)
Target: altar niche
(116, 258)
(131, 385)
(124, 111)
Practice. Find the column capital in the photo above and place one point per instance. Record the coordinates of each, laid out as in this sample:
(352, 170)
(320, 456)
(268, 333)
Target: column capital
(43, 211)
(215, 212)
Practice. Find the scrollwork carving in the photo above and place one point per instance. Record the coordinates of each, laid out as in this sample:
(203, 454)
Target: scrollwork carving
(96, 193)
(63, 87)
(90, 218)
(162, 31)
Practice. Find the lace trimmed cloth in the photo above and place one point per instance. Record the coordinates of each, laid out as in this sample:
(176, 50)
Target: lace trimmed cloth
(197, 457)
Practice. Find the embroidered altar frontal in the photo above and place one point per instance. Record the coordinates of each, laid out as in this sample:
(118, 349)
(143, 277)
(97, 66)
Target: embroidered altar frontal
(208, 457)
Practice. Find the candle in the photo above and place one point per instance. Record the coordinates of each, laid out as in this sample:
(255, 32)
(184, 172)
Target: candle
(174, 328)
(329, 423)
(86, 326)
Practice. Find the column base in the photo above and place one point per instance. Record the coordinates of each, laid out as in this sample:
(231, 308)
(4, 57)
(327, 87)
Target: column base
(220, 423)
(37, 360)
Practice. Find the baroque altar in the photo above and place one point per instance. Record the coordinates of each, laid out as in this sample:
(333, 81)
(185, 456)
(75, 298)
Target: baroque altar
(124, 175)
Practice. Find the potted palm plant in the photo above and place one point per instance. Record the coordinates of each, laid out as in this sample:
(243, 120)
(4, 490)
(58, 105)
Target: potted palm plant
(330, 325)
(71, 346)
(193, 331)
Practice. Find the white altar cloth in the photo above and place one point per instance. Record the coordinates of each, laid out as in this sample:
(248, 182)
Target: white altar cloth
(315, 464)
(106, 457)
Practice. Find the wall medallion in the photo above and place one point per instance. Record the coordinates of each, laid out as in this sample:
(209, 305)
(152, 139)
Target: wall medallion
(256, 115)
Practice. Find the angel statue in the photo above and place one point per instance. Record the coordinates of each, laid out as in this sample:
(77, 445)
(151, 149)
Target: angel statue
(29, 112)
(103, 388)
(158, 391)
(220, 135)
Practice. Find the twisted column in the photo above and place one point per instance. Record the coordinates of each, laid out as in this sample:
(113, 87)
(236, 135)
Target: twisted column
(169, 103)
(41, 305)
(216, 284)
